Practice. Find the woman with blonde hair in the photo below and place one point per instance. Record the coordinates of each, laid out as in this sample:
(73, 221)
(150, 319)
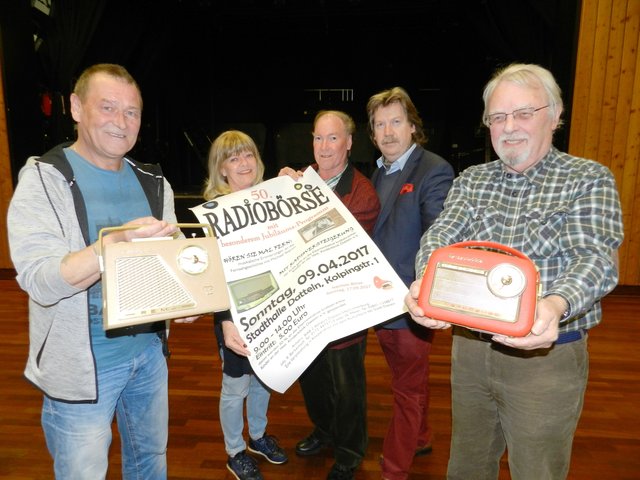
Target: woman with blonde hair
(234, 164)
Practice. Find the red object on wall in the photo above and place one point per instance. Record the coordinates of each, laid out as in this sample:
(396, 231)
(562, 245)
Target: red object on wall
(45, 104)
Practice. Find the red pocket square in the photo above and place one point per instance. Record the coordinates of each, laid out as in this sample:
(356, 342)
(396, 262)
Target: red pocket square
(406, 188)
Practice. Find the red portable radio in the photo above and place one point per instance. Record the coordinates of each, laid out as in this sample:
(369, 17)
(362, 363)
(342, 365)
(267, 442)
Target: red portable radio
(484, 286)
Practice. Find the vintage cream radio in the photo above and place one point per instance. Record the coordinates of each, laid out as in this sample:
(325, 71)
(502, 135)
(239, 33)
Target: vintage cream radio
(155, 279)
(485, 286)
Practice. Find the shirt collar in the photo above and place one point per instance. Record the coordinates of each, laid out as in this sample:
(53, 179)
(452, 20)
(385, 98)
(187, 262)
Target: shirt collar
(535, 174)
(399, 164)
(333, 181)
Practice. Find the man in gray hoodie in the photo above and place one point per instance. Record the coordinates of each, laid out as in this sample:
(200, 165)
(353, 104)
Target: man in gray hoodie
(61, 202)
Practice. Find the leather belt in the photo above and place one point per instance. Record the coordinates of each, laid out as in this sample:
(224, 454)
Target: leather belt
(565, 337)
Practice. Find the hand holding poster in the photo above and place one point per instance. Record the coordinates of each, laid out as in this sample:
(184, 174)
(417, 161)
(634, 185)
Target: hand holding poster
(301, 272)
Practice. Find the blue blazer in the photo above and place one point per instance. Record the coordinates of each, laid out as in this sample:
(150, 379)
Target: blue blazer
(420, 190)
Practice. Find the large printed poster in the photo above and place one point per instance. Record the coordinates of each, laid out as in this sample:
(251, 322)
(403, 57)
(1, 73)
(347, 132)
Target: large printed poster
(301, 272)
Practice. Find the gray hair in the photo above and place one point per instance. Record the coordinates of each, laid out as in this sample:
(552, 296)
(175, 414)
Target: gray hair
(526, 75)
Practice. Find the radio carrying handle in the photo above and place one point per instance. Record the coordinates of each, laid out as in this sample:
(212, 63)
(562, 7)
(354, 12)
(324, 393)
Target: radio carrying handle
(491, 245)
(106, 230)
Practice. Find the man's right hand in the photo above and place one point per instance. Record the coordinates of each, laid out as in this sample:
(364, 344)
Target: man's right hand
(417, 314)
(148, 227)
(295, 174)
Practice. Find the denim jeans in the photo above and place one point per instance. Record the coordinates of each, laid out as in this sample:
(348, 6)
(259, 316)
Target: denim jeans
(232, 398)
(79, 435)
(527, 402)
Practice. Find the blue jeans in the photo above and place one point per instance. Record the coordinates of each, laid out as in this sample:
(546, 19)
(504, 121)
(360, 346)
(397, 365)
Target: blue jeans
(232, 397)
(527, 402)
(79, 435)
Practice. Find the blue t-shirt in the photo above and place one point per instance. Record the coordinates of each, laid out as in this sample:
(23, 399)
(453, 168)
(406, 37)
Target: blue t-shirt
(112, 198)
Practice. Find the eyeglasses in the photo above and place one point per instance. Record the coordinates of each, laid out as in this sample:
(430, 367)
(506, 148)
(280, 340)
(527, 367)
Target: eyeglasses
(520, 115)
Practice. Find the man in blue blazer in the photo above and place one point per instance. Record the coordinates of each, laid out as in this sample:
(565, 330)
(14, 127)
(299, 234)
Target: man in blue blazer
(412, 184)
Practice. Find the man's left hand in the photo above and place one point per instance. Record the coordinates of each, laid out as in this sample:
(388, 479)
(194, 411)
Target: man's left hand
(544, 331)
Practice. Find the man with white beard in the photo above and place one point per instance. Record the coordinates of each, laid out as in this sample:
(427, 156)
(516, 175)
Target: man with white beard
(525, 394)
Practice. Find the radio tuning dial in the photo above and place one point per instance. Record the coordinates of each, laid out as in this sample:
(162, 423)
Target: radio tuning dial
(193, 259)
(506, 280)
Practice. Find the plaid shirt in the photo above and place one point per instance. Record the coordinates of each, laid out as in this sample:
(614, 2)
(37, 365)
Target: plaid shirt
(563, 213)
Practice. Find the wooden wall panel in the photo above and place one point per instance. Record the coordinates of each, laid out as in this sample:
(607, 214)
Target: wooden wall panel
(597, 74)
(583, 77)
(632, 252)
(628, 141)
(611, 99)
(605, 123)
(6, 183)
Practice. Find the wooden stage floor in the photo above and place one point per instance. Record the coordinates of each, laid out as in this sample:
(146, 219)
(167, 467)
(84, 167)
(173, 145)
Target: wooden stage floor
(607, 443)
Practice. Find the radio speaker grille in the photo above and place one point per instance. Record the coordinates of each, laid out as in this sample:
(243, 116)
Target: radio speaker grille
(164, 293)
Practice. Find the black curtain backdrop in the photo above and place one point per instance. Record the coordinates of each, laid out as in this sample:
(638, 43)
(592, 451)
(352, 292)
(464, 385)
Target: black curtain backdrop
(204, 65)
(65, 34)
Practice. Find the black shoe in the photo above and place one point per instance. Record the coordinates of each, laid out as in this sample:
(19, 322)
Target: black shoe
(421, 451)
(340, 472)
(309, 446)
